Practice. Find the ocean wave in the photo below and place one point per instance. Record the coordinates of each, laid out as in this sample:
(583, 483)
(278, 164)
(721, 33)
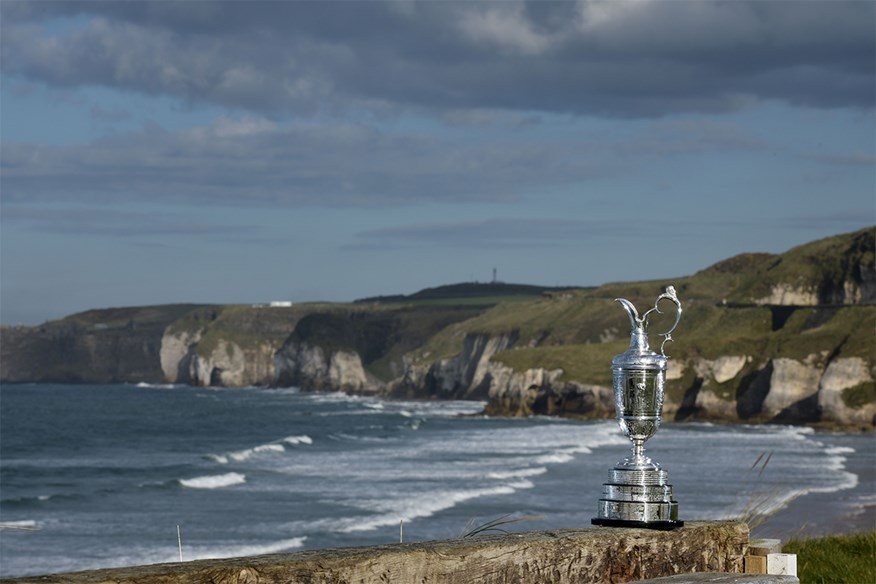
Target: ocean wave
(421, 506)
(234, 551)
(408, 409)
(554, 458)
(25, 500)
(270, 447)
(438, 409)
(291, 390)
(840, 450)
(140, 554)
(333, 397)
(345, 437)
(303, 439)
(763, 504)
(860, 504)
(159, 385)
(848, 480)
(27, 524)
(214, 481)
(517, 474)
(865, 500)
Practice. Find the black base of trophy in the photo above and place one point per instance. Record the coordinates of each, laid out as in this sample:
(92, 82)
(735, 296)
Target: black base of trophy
(661, 525)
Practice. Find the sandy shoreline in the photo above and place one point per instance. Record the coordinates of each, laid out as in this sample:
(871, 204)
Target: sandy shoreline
(819, 514)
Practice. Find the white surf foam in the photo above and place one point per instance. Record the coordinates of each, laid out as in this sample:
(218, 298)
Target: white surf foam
(764, 504)
(420, 506)
(270, 447)
(555, 458)
(517, 474)
(234, 551)
(242, 455)
(214, 481)
(145, 385)
(22, 524)
(303, 439)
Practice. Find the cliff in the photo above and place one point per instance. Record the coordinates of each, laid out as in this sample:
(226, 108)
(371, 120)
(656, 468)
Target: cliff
(98, 346)
(359, 349)
(784, 338)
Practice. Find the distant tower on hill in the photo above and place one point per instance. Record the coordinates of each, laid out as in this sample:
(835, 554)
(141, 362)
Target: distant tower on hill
(494, 276)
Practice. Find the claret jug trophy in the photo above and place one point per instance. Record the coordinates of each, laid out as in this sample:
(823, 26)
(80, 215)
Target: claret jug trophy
(638, 493)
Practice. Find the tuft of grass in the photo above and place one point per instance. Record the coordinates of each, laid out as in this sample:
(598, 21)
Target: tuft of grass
(835, 559)
(493, 526)
(760, 503)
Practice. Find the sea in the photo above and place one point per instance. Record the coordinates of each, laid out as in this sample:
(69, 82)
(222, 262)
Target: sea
(116, 475)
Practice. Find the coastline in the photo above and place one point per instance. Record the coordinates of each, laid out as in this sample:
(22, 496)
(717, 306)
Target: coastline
(819, 514)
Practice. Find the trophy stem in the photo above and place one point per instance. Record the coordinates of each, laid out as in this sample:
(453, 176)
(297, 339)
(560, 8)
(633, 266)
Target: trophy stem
(638, 460)
(638, 450)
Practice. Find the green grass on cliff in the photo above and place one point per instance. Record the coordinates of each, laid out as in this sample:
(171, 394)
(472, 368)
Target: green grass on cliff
(860, 395)
(248, 327)
(836, 559)
(566, 333)
(833, 259)
(589, 363)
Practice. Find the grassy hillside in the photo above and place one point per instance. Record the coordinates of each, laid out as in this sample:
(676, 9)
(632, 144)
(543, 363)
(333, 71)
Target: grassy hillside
(839, 559)
(468, 293)
(576, 330)
(580, 332)
(381, 335)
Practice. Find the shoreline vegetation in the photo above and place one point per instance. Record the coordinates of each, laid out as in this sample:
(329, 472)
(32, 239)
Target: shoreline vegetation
(765, 338)
(840, 559)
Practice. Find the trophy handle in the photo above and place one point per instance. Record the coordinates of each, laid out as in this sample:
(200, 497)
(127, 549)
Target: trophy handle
(668, 295)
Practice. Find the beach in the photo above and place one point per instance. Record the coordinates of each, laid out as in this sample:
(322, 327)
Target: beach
(847, 511)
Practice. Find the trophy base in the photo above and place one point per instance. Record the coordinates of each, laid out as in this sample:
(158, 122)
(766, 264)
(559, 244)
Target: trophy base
(660, 525)
(637, 498)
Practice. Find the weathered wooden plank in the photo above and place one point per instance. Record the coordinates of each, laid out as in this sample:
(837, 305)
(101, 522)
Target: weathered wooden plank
(568, 556)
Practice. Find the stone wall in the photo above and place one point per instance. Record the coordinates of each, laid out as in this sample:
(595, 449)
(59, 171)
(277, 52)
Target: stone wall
(601, 554)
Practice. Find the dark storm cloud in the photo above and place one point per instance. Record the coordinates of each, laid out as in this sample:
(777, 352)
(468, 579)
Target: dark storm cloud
(604, 58)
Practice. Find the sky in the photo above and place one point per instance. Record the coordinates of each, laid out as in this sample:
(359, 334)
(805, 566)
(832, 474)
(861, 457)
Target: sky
(245, 152)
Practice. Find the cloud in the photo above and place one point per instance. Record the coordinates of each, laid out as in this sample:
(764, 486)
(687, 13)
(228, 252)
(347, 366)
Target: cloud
(576, 234)
(109, 115)
(80, 221)
(623, 59)
(255, 161)
(487, 233)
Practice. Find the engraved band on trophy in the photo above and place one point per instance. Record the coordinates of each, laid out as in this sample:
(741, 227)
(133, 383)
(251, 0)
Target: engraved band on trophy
(638, 493)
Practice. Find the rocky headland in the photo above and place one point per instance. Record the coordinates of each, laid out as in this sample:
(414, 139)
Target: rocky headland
(785, 338)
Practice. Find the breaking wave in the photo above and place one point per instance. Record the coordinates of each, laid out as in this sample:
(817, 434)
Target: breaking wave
(270, 447)
(214, 481)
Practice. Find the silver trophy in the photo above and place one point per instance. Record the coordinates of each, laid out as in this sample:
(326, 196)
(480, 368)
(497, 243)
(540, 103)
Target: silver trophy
(638, 493)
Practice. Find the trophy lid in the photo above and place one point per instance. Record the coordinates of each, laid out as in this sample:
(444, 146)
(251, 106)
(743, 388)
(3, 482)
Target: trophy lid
(640, 356)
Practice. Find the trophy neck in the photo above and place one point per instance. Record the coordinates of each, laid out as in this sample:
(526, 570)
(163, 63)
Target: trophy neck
(639, 340)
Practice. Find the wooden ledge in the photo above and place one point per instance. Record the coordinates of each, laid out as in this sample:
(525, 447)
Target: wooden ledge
(597, 554)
